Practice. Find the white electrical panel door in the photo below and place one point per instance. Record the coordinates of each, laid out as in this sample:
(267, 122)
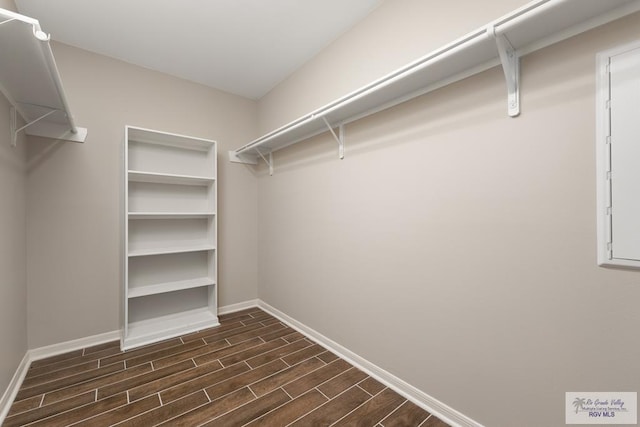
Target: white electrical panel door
(619, 156)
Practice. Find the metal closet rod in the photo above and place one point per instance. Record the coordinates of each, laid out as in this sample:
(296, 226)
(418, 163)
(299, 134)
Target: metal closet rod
(497, 27)
(45, 47)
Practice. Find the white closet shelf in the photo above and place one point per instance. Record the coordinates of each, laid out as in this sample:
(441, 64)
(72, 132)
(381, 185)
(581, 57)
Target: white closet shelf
(164, 327)
(167, 178)
(167, 139)
(171, 215)
(170, 250)
(31, 83)
(141, 291)
(532, 27)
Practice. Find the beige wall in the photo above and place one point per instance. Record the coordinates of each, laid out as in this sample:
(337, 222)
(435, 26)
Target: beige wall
(453, 246)
(74, 192)
(13, 274)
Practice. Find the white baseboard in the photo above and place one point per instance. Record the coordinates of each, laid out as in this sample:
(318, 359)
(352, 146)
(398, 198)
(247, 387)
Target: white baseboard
(67, 346)
(42, 353)
(14, 385)
(237, 307)
(420, 398)
(405, 389)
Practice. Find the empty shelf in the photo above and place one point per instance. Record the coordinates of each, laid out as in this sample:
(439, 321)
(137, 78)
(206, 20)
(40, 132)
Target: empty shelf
(135, 292)
(165, 178)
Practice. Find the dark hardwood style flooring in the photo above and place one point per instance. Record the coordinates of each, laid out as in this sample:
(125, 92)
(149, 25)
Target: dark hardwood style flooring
(252, 370)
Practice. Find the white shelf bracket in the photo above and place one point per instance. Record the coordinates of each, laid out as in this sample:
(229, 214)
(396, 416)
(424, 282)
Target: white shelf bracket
(339, 137)
(235, 157)
(14, 123)
(8, 20)
(268, 162)
(511, 67)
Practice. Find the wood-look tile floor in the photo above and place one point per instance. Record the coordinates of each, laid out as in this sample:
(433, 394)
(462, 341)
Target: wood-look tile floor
(251, 370)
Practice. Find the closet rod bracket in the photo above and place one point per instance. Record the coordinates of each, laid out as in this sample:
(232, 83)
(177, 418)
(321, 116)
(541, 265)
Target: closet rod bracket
(13, 123)
(268, 162)
(339, 137)
(511, 66)
(236, 157)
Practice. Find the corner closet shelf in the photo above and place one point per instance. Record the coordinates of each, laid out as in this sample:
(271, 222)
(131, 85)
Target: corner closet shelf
(31, 83)
(532, 27)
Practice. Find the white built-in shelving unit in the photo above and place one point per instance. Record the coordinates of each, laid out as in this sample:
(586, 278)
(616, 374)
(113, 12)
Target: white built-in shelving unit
(170, 235)
(532, 27)
(30, 81)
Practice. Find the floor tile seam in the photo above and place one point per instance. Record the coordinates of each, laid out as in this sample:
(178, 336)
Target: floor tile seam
(289, 382)
(254, 356)
(139, 375)
(362, 404)
(426, 419)
(218, 359)
(55, 414)
(224, 413)
(327, 380)
(28, 376)
(158, 407)
(177, 385)
(110, 410)
(141, 350)
(320, 391)
(187, 358)
(295, 351)
(208, 386)
(279, 357)
(323, 404)
(233, 331)
(230, 354)
(353, 410)
(9, 415)
(74, 384)
(157, 359)
(246, 385)
(304, 360)
(213, 333)
(262, 333)
(236, 407)
(390, 413)
(272, 410)
(37, 363)
(55, 379)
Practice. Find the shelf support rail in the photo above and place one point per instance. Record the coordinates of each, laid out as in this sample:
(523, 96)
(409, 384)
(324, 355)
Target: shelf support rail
(14, 124)
(339, 137)
(7, 20)
(268, 162)
(511, 67)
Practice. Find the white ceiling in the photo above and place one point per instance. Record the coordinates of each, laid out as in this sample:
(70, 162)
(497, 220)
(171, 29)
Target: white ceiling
(244, 47)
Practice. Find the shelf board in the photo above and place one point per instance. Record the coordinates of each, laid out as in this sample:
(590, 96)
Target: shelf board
(170, 215)
(30, 81)
(170, 250)
(532, 27)
(167, 178)
(160, 288)
(163, 327)
(149, 136)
